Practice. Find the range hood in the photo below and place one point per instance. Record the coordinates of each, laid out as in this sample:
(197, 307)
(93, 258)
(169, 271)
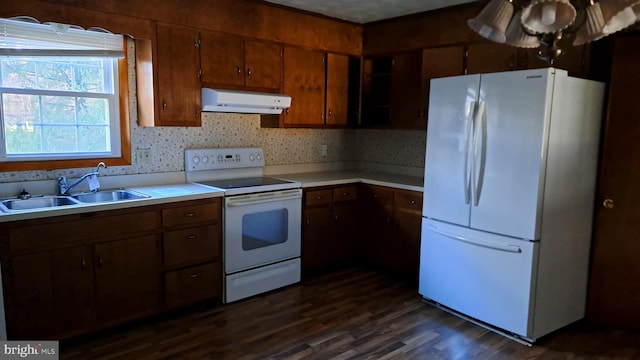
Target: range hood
(245, 102)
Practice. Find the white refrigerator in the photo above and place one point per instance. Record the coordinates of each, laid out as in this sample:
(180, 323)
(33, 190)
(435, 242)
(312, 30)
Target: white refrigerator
(508, 198)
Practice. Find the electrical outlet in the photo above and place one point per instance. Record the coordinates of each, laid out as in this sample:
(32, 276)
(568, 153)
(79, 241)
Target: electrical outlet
(323, 150)
(143, 156)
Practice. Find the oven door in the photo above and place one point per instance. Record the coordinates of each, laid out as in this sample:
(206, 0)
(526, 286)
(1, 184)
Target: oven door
(261, 228)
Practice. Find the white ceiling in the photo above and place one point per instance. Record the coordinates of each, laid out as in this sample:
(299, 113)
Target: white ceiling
(364, 11)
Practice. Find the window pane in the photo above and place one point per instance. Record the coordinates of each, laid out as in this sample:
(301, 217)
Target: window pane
(93, 111)
(24, 139)
(58, 110)
(58, 73)
(18, 73)
(54, 76)
(93, 139)
(59, 139)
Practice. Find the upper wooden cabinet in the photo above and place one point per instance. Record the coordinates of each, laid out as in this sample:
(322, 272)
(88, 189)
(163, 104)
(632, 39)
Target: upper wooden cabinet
(440, 62)
(178, 65)
(337, 103)
(490, 57)
(394, 93)
(304, 81)
(231, 62)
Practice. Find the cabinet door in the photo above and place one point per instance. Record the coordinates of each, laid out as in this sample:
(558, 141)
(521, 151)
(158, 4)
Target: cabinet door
(222, 58)
(406, 244)
(337, 89)
(489, 57)
(304, 79)
(377, 212)
(52, 293)
(315, 234)
(406, 100)
(263, 65)
(126, 278)
(437, 63)
(178, 81)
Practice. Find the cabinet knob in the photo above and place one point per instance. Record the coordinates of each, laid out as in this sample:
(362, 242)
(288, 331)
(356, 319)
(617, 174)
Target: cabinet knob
(191, 237)
(335, 216)
(83, 263)
(164, 105)
(190, 214)
(196, 275)
(330, 112)
(249, 72)
(239, 71)
(608, 204)
(99, 261)
(308, 222)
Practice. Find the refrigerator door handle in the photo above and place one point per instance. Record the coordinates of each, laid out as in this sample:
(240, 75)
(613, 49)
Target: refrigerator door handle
(467, 143)
(475, 184)
(507, 248)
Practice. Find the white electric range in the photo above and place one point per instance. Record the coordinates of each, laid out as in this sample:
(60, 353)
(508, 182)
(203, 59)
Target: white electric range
(261, 219)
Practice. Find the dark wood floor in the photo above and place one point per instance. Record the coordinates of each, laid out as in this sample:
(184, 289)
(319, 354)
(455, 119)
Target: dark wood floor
(351, 314)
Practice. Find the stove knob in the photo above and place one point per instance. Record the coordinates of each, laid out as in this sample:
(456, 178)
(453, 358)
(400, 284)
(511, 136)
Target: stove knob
(205, 159)
(251, 157)
(196, 159)
(259, 156)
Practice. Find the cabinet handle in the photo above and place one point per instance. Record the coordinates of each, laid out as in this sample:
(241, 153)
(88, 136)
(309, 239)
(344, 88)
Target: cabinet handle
(239, 71)
(321, 116)
(191, 237)
(335, 216)
(99, 261)
(308, 222)
(375, 195)
(164, 105)
(330, 112)
(287, 111)
(249, 72)
(318, 197)
(193, 276)
(190, 214)
(413, 202)
(344, 194)
(83, 263)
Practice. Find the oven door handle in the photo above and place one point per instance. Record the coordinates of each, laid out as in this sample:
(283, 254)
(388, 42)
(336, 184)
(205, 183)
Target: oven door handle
(262, 198)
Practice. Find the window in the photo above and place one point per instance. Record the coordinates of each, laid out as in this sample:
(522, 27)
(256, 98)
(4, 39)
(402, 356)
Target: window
(59, 107)
(59, 92)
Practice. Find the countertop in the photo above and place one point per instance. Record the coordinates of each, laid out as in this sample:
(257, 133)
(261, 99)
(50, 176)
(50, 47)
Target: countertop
(325, 178)
(158, 194)
(168, 193)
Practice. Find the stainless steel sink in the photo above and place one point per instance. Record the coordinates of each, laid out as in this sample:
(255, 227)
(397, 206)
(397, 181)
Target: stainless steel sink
(109, 196)
(38, 202)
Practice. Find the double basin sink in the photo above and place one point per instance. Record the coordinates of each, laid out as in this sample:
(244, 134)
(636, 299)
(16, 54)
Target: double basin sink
(49, 201)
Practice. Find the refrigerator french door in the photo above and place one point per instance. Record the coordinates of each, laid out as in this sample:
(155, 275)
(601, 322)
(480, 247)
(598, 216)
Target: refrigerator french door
(508, 197)
(485, 167)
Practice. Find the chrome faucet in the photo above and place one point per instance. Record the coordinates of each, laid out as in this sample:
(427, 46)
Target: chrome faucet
(94, 185)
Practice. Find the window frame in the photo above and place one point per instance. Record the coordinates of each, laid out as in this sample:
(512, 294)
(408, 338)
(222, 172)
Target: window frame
(125, 134)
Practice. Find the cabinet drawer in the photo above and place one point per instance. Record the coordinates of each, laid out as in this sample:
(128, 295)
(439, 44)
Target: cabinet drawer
(409, 200)
(191, 214)
(317, 197)
(190, 245)
(193, 284)
(378, 195)
(345, 193)
(39, 237)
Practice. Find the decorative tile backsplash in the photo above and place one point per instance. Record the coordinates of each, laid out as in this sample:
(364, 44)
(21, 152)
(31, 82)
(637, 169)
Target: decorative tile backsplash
(281, 146)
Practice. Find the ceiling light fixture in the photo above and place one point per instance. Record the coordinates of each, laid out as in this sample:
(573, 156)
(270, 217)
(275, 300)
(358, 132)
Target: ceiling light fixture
(544, 23)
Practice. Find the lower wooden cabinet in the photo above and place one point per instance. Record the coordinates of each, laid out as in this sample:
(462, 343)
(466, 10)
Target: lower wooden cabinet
(328, 229)
(392, 220)
(193, 284)
(68, 275)
(375, 224)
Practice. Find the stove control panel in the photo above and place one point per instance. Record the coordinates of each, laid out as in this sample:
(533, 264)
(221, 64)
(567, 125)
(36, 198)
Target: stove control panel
(222, 158)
